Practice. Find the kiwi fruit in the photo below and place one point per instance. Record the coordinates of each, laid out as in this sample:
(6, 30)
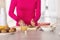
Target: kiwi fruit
(12, 30)
(3, 31)
(7, 30)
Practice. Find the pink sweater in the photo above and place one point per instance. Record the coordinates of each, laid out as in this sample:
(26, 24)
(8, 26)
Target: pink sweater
(26, 10)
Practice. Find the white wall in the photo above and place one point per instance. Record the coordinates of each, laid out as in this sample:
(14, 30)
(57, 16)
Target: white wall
(58, 11)
(58, 8)
(49, 15)
(10, 21)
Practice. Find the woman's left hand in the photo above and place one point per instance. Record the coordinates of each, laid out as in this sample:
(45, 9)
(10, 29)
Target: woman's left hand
(32, 22)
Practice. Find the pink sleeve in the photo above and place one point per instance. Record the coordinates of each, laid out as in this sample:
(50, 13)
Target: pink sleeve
(11, 10)
(38, 10)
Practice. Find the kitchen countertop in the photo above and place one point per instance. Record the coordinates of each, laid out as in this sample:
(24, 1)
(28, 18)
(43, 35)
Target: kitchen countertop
(33, 35)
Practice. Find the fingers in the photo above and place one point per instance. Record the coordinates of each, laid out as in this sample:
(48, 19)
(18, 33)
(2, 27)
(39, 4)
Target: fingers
(21, 23)
(32, 22)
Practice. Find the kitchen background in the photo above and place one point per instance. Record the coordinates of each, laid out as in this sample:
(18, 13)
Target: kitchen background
(50, 12)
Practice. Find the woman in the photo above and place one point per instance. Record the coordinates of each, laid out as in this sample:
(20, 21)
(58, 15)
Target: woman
(29, 11)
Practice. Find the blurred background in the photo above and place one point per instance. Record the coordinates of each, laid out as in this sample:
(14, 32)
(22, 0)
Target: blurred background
(50, 12)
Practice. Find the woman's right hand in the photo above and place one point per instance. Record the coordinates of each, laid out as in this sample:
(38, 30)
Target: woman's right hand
(21, 23)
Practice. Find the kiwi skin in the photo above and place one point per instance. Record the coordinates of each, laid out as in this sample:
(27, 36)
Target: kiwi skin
(12, 30)
(3, 31)
(7, 30)
(0, 31)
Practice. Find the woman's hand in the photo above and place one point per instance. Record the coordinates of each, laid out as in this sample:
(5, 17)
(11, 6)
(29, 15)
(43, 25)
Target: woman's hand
(32, 22)
(21, 23)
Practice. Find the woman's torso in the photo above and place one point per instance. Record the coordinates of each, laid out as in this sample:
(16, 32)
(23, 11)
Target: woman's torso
(26, 9)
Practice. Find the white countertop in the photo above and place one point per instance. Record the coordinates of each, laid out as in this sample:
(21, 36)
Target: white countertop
(33, 35)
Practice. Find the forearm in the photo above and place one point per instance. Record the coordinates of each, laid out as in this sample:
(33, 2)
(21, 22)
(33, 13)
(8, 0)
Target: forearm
(38, 10)
(11, 10)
